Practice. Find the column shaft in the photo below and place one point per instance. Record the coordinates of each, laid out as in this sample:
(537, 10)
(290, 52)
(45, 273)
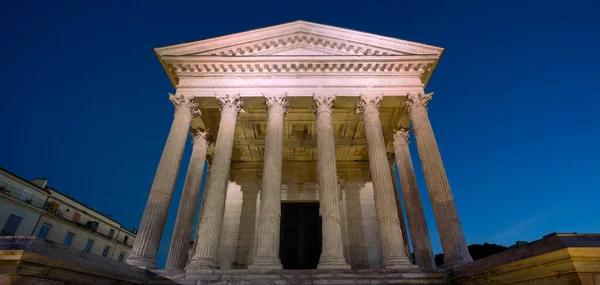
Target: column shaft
(412, 202)
(392, 246)
(400, 211)
(154, 218)
(213, 206)
(449, 227)
(182, 232)
(332, 254)
(267, 252)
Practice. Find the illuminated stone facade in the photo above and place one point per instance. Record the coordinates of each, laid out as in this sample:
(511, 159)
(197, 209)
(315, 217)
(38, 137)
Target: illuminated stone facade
(299, 112)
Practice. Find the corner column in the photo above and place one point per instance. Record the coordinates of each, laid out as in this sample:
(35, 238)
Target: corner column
(146, 244)
(449, 228)
(267, 251)
(213, 204)
(392, 246)
(182, 232)
(412, 201)
(332, 254)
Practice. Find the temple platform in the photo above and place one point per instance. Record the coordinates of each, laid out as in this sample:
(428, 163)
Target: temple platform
(303, 276)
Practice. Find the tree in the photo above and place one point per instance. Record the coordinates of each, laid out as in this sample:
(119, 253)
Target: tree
(477, 251)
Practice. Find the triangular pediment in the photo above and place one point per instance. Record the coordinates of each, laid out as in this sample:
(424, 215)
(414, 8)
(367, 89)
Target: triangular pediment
(300, 38)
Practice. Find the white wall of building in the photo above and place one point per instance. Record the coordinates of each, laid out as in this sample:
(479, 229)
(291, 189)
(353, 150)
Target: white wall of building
(38, 206)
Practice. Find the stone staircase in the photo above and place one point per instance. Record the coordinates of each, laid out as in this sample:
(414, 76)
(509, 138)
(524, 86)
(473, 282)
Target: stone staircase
(246, 277)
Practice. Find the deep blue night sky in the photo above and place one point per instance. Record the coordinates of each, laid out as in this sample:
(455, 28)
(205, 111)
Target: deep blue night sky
(515, 111)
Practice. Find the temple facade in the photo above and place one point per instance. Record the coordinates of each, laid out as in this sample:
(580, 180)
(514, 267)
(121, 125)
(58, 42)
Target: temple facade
(307, 129)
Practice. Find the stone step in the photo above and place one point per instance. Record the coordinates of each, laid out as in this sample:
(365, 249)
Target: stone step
(315, 277)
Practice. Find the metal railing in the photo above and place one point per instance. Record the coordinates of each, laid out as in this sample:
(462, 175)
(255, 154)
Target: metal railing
(23, 195)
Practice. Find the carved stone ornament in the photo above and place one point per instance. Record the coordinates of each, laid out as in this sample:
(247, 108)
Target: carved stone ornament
(368, 104)
(277, 103)
(323, 103)
(185, 103)
(230, 103)
(417, 102)
(199, 136)
(402, 136)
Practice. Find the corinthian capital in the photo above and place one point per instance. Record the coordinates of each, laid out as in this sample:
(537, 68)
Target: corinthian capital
(401, 136)
(368, 104)
(323, 103)
(277, 103)
(417, 102)
(230, 103)
(187, 104)
(199, 136)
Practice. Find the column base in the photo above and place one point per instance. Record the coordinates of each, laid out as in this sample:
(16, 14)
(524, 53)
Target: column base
(265, 264)
(330, 262)
(142, 262)
(202, 263)
(397, 263)
(456, 261)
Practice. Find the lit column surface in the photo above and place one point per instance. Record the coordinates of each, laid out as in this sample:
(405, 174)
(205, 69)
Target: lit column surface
(153, 221)
(392, 246)
(213, 205)
(412, 201)
(332, 254)
(449, 228)
(267, 251)
(182, 232)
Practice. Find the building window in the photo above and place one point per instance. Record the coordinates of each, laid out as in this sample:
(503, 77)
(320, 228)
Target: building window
(44, 230)
(11, 226)
(125, 239)
(105, 251)
(69, 238)
(111, 233)
(88, 246)
(121, 256)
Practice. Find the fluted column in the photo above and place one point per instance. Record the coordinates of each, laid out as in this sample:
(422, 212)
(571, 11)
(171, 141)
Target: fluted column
(332, 254)
(392, 246)
(213, 205)
(392, 160)
(153, 221)
(449, 228)
(412, 201)
(267, 251)
(182, 232)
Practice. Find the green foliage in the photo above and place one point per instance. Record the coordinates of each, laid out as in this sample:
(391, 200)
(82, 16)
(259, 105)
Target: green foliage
(477, 251)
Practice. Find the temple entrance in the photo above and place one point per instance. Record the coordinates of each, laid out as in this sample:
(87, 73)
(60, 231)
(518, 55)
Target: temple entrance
(300, 236)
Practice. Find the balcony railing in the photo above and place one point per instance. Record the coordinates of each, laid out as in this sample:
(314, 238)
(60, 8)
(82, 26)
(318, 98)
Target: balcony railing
(21, 194)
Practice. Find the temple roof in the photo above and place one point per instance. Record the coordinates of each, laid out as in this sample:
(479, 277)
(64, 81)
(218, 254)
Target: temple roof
(295, 43)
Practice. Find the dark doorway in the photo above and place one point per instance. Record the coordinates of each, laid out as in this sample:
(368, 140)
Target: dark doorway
(300, 244)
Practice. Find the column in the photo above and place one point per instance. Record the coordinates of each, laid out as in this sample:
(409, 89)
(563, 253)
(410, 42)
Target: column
(392, 160)
(153, 221)
(449, 228)
(412, 201)
(332, 254)
(392, 246)
(182, 232)
(213, 205)
(267, 251)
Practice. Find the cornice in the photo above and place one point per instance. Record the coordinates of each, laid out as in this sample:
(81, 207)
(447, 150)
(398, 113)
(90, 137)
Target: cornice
(304, 67)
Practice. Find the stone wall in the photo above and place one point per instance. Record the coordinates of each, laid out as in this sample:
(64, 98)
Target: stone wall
(362, 248)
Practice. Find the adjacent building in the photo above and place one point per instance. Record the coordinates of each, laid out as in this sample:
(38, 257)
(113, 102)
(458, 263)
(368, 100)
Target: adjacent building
(31, 208)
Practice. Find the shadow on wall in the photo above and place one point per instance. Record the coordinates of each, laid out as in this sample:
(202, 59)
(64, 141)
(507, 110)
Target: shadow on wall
(356, 232)
(247, 227)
